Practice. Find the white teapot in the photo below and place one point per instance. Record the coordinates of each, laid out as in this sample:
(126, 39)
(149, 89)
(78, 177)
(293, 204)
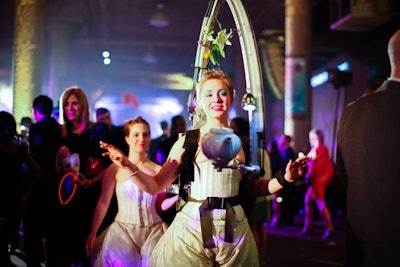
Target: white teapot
(220, 145)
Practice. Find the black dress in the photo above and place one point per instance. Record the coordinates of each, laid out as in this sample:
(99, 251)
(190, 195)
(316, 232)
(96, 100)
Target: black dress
(73, 221)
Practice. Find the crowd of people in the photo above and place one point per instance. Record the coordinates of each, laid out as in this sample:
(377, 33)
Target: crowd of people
(92, 190)
(78, 208)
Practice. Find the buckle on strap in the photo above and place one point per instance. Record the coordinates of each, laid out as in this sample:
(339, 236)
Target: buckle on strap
(220, 202)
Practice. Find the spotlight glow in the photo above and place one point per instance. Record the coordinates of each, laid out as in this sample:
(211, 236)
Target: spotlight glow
(106, 54)
(106, 61)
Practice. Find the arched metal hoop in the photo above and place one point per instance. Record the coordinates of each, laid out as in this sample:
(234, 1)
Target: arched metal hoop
(251, 63)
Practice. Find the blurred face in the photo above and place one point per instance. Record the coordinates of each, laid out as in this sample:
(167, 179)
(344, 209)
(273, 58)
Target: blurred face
(105, 118)
(181, 125)
(313, 138)
(72, 108)
(24, 129)
(234, 127)
(282, 141)
(36, 114)
(216, 99)
(139, 138)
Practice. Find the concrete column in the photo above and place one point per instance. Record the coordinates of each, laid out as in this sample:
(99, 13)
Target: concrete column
(297, 70)
(27, 64)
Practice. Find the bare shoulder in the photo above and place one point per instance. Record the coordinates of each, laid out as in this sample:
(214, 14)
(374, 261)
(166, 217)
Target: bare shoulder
(152, 166)
(111, 174)
(112, 171)
(113, 168)
(120, 173)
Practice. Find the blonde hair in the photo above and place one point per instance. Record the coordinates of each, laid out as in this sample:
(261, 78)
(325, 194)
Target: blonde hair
(220, 75)
(319, 134)
(85, 122)
(199, 117)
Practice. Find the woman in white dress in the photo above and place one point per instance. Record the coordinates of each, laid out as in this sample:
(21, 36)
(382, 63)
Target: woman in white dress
(137, 227)
(211, 229)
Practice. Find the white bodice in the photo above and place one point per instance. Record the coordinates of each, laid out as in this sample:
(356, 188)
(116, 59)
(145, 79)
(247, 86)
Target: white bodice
(208, 182)
(135, 206)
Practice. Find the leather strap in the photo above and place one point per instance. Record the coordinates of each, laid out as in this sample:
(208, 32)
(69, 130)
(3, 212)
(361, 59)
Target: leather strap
(186, 174)
(205, 217)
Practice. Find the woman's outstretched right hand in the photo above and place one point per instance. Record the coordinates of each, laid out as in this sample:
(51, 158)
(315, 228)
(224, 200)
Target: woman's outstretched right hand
(114, 153)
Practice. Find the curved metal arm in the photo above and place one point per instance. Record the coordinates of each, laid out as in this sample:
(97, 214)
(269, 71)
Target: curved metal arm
(251, 63)
(203, 45)
(252, 71)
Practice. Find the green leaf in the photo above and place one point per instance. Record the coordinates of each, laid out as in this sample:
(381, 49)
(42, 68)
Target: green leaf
(222, 52)
(217, 43)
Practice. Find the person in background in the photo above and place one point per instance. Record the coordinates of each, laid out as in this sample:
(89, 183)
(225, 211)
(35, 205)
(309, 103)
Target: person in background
(285, 209)
(286, 149)
(212, 223)
(319, 174)
(44, 141)
(25, 183)
(241, 128)
(130, 239)
(13, 156)
(367, 161)
(156, 141)
(178, 125)
(25, 124)
(256, 208)
(56, 113)
(80, 136)
(277, 165)
(287, 206)
(116, 132)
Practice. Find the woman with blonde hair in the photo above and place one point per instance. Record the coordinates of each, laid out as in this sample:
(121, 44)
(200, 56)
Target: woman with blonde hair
(80, 139)
(211, 229)
(320, 172)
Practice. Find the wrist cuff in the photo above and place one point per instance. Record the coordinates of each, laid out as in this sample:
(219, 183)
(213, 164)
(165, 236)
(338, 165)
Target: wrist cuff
(281, 179)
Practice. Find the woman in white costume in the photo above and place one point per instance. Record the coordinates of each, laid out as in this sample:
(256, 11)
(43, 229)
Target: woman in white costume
(137, 227)
(204, 240)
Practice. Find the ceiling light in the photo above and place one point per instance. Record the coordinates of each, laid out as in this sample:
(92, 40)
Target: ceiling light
(159, 19)
(107, 61)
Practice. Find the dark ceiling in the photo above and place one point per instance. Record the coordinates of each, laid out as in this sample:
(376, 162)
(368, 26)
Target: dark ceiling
(121, 26)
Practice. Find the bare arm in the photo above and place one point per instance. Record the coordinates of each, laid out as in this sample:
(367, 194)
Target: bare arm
(157, 183)
(150, 184)
(107, 192)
